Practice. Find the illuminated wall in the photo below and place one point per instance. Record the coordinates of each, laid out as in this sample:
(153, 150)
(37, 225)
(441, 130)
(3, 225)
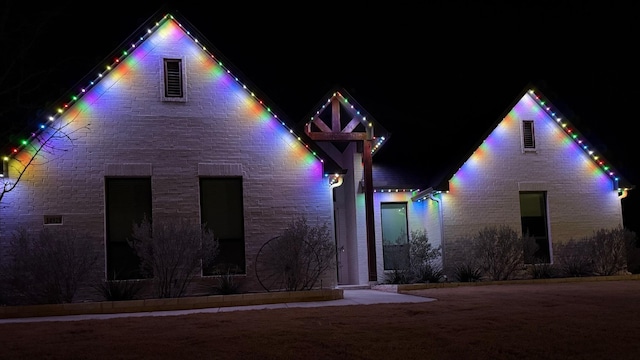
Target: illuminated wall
(581, 192)
(421, 215)
(120, 127)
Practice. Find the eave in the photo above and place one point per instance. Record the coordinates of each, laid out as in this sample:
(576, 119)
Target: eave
(113, 60)
(620, 184)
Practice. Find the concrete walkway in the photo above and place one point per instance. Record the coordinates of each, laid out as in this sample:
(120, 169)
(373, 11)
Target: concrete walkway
(351, 297)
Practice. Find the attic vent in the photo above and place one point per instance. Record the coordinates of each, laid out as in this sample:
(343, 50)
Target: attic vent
(173, 80)
(528, 135)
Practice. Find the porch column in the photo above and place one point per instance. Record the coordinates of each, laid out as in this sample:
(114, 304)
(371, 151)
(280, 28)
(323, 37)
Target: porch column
(368, 206)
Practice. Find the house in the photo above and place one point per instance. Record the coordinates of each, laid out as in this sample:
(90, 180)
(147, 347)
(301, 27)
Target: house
(168, 130)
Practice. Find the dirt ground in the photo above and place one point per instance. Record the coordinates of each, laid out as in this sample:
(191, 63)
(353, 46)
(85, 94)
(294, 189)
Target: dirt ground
(579, 320)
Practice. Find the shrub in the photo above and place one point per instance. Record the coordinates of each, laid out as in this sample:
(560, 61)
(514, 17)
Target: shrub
(119, 290)
(424, 262)
(227, 282)
(48, 268)
(574, 259)
(398, 276)
(297, 259)
(499, 251)
(467, 272)
(543, 271)
(172, 253)
(608, 250)
(427, 274)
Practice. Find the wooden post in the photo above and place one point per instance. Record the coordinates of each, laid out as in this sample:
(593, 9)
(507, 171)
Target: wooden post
(368, 205)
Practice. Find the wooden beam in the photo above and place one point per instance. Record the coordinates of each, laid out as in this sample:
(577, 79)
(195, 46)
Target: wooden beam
(321, 124)
(320, 136)
(335, 115)
(368, 207)
(351, 125)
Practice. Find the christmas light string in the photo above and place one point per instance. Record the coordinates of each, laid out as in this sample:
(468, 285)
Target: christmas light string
(61, 110)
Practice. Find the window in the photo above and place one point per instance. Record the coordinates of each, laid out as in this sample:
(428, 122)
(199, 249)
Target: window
(173, 80)
(4, 168)
(221, 209)
(395, 238)
(128, 201)
(528, 135)
(533, 216)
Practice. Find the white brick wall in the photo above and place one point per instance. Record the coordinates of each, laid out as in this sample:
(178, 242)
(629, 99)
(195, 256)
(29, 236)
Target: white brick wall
(485, 191)
(122, 128)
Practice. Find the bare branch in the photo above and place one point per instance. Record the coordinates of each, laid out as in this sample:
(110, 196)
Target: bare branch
(43, 146)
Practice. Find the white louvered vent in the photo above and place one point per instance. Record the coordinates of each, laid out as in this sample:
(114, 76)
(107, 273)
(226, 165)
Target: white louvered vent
(173, 86)
(528, 135)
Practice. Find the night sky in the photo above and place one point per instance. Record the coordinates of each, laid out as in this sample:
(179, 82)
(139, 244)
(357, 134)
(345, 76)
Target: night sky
(435, 75)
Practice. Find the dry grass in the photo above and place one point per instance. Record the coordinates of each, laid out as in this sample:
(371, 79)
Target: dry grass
(582, 320)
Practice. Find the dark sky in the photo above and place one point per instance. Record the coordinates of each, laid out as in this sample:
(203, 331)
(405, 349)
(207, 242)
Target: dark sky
(436, 75)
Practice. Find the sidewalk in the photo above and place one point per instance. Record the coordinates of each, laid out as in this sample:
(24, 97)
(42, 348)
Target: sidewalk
(351, 297)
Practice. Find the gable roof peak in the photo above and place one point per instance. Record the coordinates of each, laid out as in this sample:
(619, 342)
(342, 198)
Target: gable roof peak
(325, 120)
(620, 184)
(122, 52)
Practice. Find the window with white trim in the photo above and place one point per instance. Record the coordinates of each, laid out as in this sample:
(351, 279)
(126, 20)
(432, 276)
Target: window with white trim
(395, 237)
(127, 202)
(222, 212)
(534, 220)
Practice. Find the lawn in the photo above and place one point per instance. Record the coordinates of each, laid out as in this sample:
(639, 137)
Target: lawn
(573, 320)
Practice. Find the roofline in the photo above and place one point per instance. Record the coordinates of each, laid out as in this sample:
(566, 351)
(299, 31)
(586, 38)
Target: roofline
(113, 59)
(620, 183)
(381, 134)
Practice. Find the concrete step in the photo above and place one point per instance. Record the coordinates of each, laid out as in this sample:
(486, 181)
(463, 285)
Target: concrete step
(354, 287)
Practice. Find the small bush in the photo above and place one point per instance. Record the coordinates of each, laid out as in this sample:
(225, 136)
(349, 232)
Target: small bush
(467, 272)
(398, 276)
(608, 250)
(427, 274)
(228, 282)
(424, 264)
(297, 259)
(172, 253)
(543, 271)
(119, 290)
(48, 268)
(499, 251)
(574, 259)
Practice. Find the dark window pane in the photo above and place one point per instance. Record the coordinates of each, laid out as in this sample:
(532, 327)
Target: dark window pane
(222, 212)
(395, 238)
(128, 201)
(533, 217)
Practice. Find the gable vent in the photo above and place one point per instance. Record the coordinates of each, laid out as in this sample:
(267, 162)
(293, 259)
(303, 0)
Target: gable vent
(173, 78)
(528, 135)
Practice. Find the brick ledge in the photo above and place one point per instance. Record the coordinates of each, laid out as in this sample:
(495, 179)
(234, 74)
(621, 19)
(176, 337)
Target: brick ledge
(182, 303)
(401, 288)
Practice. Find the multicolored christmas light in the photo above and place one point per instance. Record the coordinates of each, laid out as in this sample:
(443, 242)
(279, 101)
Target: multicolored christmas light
(74, 98)
(573, 134)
